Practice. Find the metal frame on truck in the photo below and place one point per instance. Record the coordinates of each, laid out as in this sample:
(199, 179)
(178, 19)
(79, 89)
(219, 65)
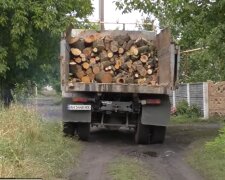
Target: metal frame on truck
(146, 108)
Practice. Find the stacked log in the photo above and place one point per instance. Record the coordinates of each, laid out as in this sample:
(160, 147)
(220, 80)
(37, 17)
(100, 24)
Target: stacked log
(113, 59)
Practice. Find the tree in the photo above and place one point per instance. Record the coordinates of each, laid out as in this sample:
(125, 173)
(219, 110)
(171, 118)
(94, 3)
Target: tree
(194, 24)
(30, 35)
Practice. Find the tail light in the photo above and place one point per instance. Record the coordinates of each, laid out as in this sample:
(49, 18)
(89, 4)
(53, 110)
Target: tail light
(80, 99)
(151, 101)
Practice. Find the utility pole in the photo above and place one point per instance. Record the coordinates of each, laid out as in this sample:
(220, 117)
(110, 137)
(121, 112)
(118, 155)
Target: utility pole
(101, 14)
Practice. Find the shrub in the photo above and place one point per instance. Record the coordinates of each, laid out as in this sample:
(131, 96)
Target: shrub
(191, 111)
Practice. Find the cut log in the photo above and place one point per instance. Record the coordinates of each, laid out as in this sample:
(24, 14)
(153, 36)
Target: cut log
(87, 52)
(96, 69)
(141, 70)
(149, 71)
(144, 58)
(110, 54)
(92, 61)
(107, 41)
(106, 64)
(121, 50)
(129, 44)
(79, 74)
(141, 42)
(103, 56)
(114, 47)
(85, 65)
(103, 77)
(89, 71)
(75, 51)
(89, 39)
(99, 44)
(78, 60)
(85, 79)
(143, 49)
(140, 81)
(121, 39)
(134, 50)
(95, 50)
(97, 59)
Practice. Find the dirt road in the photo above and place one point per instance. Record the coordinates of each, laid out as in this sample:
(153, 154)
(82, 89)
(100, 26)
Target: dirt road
(166, 161)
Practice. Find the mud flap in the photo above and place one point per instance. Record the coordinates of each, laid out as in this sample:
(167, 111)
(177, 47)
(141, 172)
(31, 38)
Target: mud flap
(157, 115)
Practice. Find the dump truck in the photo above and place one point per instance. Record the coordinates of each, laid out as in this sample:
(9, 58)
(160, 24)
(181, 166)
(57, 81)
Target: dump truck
(131, 91)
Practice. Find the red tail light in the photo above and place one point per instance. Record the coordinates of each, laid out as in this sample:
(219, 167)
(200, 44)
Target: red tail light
(151, 101)
(80, 99)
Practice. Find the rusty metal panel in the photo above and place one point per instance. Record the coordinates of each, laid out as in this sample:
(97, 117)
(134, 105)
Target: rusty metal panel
(163, 44)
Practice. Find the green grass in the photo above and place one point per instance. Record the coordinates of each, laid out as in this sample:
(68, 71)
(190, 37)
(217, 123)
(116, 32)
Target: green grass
(209, 158)
(30, 147)
(182, 119)
(125, 168)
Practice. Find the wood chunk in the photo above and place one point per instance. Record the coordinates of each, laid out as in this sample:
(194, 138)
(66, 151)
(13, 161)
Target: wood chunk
(99, 44)
(149, 71)
(75, 51)
(92, 61)
(89, 39)
(134, 50)
(121, 50)
(141, 42)
(103, 56)
(103, 77)
(110, 54)
(96, 69)
(78, 60)
(87, 52)
(86, 79)
(85, 65)
(129, 44)
(144, 58)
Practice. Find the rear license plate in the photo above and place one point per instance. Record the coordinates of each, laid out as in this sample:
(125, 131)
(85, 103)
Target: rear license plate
(73, 107)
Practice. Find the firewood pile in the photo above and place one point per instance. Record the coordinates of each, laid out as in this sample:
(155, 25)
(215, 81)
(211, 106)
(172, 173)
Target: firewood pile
(112, 59)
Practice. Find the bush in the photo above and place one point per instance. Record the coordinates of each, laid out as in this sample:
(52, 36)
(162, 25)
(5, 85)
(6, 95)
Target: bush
(30, 147)
(191, 111)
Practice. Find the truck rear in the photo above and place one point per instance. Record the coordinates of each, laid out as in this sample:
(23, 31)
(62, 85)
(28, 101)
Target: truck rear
(108, 83)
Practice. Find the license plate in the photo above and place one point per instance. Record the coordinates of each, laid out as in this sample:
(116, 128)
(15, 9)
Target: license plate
(73, 107)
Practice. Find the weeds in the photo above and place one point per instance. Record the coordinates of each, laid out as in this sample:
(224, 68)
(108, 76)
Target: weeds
(209, 158)
(128, 168)
(30, 147)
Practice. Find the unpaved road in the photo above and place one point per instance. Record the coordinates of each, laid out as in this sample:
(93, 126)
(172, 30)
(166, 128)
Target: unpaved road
(166, 161)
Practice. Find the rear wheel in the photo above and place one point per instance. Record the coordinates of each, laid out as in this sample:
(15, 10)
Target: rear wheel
(69, 128)
(158, 134)
(142, 135)
(83, 131)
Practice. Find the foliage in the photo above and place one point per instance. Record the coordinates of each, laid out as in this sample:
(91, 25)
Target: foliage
(30, 147)
(184, 109)
(30, 35)
(128, 168)
(194, 24)
(209, 158)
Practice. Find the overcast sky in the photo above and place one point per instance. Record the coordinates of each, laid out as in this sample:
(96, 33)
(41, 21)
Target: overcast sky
(113, 15)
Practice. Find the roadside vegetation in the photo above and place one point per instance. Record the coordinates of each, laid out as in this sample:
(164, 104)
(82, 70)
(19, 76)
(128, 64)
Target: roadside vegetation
(31, 147)
(185, 114)
(128, 168)
(209, 158)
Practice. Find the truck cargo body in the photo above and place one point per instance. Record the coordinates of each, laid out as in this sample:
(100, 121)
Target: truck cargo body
(146, 108)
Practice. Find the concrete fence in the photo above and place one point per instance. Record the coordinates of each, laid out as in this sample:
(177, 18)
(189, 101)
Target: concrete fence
(208, 96)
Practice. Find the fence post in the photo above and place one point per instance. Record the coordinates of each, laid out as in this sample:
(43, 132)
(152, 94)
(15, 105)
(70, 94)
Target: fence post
(174, 98)
(188, 94)
(205, 100)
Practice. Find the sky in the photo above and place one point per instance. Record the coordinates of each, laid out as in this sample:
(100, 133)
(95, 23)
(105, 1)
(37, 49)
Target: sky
(113, 15)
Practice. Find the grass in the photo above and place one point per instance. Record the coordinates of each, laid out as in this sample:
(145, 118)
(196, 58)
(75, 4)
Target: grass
(125, 168)
(30, 147)
(209, 157)
(183, 119)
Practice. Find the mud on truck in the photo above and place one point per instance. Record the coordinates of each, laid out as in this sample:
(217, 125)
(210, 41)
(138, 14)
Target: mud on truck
(117, 79)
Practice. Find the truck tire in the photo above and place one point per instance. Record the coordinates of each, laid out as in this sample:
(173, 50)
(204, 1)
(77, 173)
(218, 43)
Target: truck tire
(83, 131)
(142, 134)
(69, 128)
(158, 134)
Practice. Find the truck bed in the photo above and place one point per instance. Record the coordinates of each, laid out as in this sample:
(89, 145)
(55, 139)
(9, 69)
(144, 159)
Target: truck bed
(118, 88)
